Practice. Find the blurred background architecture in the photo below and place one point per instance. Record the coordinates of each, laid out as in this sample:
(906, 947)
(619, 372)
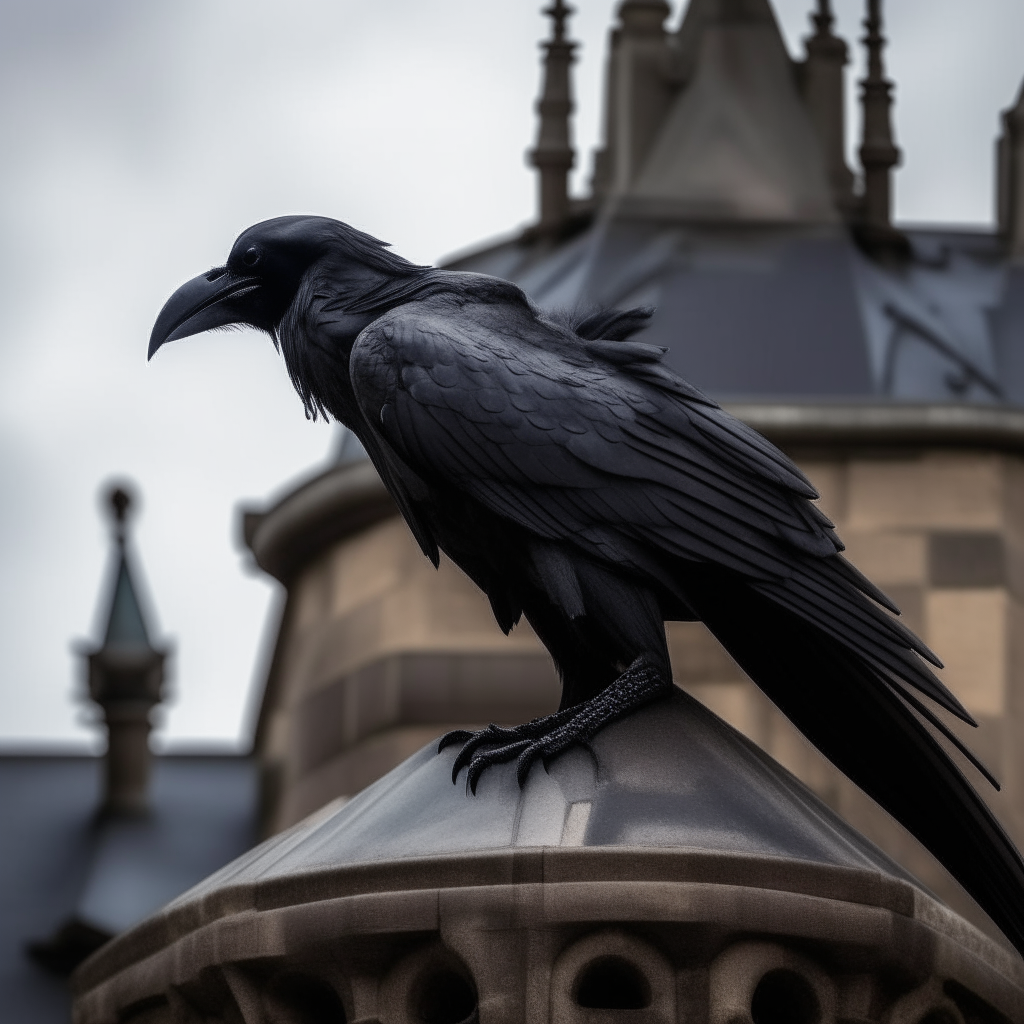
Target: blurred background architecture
(91, 846)
(887, 359)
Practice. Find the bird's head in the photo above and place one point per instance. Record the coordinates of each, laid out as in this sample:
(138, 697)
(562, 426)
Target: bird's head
(264, 271)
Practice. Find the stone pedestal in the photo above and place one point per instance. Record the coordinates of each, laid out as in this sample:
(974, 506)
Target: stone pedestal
(674, 873)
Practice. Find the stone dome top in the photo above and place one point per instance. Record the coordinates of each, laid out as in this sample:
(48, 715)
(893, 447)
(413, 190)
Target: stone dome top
(671, 776)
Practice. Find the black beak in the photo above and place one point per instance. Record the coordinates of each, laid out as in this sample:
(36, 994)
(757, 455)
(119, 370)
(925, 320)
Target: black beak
(214, 299)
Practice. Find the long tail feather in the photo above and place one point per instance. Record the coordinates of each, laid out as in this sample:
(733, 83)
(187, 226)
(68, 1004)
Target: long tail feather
(853, 715)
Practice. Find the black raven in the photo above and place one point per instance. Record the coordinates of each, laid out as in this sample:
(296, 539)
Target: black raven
(581, 483)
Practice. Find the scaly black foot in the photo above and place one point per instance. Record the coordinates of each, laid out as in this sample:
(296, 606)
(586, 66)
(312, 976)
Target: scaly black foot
(550, 736)
(498, 737)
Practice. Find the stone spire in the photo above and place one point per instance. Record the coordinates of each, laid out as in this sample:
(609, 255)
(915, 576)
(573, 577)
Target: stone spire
(737, 144)
(824, 94)
(125, 679)
(1010, 180)
(878, 152)
(639, 89)
(553, 155)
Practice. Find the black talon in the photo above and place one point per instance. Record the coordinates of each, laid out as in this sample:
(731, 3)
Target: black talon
(474, 741)
(496, 734)
(455, 736)
(465, 757)
(492, 757)
(526, 762)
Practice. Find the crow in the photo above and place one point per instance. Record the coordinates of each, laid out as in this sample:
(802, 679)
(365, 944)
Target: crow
(582, 484)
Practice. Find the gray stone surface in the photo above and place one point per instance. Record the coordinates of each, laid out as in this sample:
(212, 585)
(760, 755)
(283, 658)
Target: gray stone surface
(671, 776)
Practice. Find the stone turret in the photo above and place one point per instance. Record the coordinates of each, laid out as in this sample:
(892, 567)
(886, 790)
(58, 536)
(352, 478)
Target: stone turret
(640, 90)
(825, 96)
(639, 87)
(125, 678)
(553, 155)
(878, 151)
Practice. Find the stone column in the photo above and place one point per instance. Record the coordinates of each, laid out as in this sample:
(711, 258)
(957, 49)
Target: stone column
(553, 155)
(125, 679)
(878, 152)
(824, 94)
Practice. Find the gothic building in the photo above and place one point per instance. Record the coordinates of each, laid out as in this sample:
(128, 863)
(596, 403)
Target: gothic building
(888, 361)
(92, 845)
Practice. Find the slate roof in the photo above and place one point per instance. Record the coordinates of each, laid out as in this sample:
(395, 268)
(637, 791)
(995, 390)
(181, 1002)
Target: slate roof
(61, 863)
(795, 314)
(729, 228)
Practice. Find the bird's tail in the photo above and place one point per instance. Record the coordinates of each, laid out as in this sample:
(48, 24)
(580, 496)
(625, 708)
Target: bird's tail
(853, 714)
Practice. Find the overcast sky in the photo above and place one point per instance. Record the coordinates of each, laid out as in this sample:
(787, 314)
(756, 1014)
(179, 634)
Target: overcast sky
(139, 138)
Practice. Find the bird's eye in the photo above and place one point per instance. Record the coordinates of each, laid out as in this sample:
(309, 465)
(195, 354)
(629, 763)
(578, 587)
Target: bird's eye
(251, 256)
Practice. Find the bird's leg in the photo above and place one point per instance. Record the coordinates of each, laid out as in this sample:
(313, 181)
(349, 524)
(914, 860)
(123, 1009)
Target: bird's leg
(548, 737)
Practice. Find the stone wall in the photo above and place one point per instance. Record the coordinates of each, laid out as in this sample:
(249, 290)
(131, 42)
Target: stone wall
(942, 532)
(379, 653)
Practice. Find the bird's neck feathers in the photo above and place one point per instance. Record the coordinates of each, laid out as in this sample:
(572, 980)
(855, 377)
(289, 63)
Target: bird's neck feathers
(338, 297)
(335, 300)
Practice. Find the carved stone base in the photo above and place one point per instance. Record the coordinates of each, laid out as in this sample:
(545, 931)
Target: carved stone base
(682, 876)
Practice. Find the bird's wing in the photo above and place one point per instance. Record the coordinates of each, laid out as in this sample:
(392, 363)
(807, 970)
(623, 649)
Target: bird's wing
(598, 445)
(515, 424)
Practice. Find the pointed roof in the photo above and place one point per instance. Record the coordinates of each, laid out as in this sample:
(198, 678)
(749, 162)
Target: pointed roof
(784, 309)
(126, 622)
(126, 625)
(738, 144)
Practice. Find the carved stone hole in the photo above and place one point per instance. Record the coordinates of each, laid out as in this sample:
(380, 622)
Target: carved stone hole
(446, 997)
(302, 999)
(784, 997)
(612, 983)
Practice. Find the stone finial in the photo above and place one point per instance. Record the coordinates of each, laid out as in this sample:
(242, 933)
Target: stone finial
(125, 679)
(824, 93)
(553, 155)
(120, 502)
(878, 151)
